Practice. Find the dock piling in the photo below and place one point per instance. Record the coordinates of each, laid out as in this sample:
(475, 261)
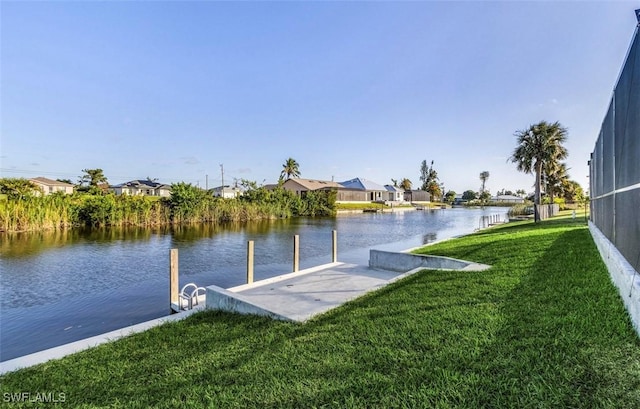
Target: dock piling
(334, 246)
(250, 262)
(296, 253)
(174, 301)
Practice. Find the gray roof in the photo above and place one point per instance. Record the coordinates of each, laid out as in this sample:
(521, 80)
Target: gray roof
(391, 188)
(50, 182)
(312, 184)
(229, 188)
(141, 183)
(363, 184)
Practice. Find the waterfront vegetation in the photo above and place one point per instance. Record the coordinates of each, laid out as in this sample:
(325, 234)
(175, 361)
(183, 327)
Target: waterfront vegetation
(187, 205)
(521, 209)
(544, 327)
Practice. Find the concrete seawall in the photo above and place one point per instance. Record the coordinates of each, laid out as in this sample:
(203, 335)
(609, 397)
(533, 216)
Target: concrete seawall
(80, 345)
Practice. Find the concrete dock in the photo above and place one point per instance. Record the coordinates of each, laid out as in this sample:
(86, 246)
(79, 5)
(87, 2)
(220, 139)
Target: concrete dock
(302, 295)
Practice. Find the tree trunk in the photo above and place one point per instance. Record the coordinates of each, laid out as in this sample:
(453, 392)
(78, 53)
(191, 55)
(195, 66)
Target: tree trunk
(538, 195)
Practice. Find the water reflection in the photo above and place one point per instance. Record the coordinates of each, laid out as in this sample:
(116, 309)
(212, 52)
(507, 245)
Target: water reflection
(31, 243)
(429, 238)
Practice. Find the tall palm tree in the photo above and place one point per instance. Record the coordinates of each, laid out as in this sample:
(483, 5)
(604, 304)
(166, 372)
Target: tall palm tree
(539, 147)
(484, 175)
(290, 169)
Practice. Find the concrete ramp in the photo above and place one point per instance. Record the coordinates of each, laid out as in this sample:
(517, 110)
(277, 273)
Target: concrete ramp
(404, 262)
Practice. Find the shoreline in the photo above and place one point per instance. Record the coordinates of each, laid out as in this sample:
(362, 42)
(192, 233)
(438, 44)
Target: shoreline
(89, 325)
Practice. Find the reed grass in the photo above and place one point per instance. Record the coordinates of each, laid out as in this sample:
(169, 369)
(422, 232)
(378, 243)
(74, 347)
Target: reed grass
(68, 211)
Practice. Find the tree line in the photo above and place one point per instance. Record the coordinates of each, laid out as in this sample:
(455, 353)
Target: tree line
(25, 208)
(540, 151)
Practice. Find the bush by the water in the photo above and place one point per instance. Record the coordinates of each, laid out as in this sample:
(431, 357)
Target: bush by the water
(521, 209)
(187, 204)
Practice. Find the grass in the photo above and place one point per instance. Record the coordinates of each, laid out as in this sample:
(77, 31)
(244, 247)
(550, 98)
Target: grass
(542, 328)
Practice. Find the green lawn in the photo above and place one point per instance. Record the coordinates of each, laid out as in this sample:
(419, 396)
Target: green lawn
(543, 328)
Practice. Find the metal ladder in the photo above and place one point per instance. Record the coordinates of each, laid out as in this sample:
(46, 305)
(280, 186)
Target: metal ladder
(189, 294)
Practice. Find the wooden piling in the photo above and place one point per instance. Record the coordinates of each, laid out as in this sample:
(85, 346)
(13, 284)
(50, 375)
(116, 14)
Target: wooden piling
(296, 253)
(334, 246)
(250, 262)
(174, 299)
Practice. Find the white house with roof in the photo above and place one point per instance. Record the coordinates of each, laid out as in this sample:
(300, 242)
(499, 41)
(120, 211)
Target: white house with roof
(507, 199)
(141, 187)
(227, 191)
(50, 186)
(362, 190)
(396, 194)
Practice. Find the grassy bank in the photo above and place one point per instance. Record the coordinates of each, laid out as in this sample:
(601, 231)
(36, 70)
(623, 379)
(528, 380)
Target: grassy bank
(544, 328)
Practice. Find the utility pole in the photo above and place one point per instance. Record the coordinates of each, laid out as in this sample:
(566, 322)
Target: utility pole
(222, 172)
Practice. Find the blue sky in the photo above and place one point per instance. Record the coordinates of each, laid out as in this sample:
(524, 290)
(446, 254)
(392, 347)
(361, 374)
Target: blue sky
(171, 90)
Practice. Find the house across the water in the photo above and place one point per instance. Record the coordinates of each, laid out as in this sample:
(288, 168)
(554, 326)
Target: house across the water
(507, 199)
(50, 186)
(362, 190)
(141, 187)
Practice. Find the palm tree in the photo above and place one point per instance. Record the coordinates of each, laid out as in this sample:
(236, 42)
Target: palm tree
(555, 176)
(290, 169)
(539, 147)
(406, 184)
(483, 177)
(572, 191)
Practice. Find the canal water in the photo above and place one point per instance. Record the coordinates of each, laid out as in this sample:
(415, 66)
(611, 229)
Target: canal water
(59, 287)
